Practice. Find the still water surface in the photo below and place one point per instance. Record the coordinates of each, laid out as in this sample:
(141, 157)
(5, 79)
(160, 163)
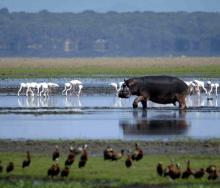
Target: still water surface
(103, 117)
(99, 114)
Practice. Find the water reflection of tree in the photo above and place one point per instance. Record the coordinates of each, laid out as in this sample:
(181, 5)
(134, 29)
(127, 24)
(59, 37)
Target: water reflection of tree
(169, 123)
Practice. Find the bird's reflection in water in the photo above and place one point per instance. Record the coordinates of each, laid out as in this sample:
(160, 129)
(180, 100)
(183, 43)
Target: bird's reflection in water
(212, 102)
(202, 100)
(119, 102)
(72, 101)
(155, 123)
(34, 101)
(29, 101)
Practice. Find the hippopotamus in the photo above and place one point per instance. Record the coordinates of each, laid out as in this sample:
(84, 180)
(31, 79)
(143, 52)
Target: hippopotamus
(158, 89)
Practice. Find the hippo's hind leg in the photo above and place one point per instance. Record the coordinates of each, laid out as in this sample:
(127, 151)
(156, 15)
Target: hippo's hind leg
(142, 100)
(135, 103)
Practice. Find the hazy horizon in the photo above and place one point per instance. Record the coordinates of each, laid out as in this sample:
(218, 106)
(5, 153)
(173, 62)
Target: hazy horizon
(111, 5)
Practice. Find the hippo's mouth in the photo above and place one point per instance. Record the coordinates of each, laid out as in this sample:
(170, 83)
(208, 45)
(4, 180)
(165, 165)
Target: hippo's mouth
(124, 93)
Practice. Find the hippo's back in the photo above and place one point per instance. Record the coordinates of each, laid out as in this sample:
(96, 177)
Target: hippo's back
(163, 85)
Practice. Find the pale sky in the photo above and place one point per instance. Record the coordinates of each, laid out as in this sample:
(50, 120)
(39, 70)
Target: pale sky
(111, 5)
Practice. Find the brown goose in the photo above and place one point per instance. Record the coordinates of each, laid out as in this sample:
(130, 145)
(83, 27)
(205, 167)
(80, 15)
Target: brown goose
(1, 167)
(54, 170)
(212, 172)
(159, 169)
(138, 153)
(65, 172)
(188, 172)
(56, 153)
(128, 161)
(199, 173)
(10, 167)
(83, 157)
(27, 161)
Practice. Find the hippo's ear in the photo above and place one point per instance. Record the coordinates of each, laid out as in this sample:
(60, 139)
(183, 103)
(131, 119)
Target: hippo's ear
(126, 82)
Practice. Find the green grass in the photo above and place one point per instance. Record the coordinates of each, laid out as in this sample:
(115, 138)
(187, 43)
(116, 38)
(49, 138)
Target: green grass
(87, 67)
(206, 71)
(100, 173)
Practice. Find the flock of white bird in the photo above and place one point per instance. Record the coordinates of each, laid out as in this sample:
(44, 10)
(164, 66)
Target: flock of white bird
(44, 88)
(75, 87)
(197, 86)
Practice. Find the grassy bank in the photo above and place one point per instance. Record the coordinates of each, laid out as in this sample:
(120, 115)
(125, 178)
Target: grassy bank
(63, 67)
(100, 173)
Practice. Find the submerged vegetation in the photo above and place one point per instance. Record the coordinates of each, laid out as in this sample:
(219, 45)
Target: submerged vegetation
(65, 67)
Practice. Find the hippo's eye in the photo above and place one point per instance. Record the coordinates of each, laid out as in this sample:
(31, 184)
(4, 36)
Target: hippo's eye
(124, 85)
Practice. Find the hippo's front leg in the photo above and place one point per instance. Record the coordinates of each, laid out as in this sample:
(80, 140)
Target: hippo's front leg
(144, 104)
(139, 99)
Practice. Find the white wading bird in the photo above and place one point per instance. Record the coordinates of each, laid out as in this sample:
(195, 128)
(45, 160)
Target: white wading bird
(39, 86)
(45, 89)
(51, 85)
(211, 86)
(67, 85)
(199, 84)
(33, 85)
(22, 85)
(80, 88)
(190, 85)
(72, 84)
(29, 89)
(75, 83)
(116, 86)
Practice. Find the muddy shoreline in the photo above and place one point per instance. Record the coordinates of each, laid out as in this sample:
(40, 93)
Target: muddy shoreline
(96, 147)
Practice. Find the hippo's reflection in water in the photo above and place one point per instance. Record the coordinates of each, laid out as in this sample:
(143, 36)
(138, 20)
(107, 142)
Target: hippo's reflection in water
(163, 123)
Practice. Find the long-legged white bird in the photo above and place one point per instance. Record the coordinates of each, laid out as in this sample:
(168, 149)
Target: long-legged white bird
(211, 86)
(190, 85)
(39, 86)
(67, 87)
(216, 85)
(51, 85)
(33, 85)
(22, 86)
(117, 86)
(199, 84)
(44, 90)
(75, 83)
(29, 89)
(79, 91)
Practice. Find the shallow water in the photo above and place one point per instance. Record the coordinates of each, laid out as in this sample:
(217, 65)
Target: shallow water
(99, 114)
(112, 124)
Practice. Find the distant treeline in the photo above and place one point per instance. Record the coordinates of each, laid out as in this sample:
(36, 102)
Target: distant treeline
(88, 34)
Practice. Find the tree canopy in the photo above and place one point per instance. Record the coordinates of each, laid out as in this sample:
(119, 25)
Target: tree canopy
(89, 34)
